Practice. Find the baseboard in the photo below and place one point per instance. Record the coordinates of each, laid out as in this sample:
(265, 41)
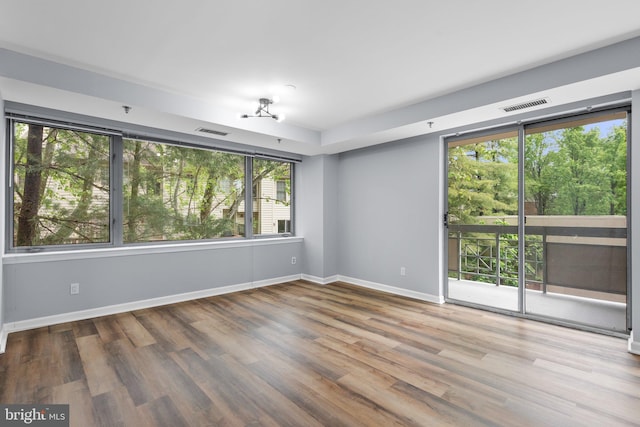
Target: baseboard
(270, 282)
(40, 322)
(634, 346)
(393, 290)
(319, 280)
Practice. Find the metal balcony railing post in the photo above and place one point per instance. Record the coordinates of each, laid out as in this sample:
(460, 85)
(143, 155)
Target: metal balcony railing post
(497, 258)
(459, 238)
(544, 262)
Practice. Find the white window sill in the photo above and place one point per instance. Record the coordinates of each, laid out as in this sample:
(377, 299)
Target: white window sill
(24, 258)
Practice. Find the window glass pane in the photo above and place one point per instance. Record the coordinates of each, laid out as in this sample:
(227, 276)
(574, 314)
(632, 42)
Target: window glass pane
(181, 193)
(60, 186)
(578, 169)
(271, 197)
(483, 180)
(576, 228)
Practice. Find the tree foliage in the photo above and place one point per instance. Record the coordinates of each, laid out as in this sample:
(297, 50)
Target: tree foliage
(177, 193)
(62, 189)
(577, 171)
(61, 186)
(571, 171)
(183, 193)
(483, 180)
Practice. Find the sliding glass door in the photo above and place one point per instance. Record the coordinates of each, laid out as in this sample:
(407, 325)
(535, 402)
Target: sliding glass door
(537, 219)
(576, 220)
(483, 219)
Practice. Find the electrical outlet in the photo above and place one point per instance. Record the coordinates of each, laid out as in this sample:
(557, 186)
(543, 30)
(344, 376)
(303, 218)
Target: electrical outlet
(293, 260)
(403, 271)
(74, 288)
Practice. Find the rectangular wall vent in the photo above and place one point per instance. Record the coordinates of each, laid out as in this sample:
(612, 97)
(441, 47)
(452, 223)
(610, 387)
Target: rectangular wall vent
(212, 131)
(528, 104)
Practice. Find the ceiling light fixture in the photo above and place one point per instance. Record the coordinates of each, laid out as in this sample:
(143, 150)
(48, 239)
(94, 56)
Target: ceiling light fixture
(263, 111)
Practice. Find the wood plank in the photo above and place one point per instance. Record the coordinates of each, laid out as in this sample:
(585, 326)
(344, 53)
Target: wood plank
(81, 411)
(136, 333)
(133, 372)
(101, 377)
(223, 387)
(116, 409)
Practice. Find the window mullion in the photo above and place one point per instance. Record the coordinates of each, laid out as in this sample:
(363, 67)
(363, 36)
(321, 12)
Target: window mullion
(248, 197)
(117, 188)
(292, 200)
(10, 208)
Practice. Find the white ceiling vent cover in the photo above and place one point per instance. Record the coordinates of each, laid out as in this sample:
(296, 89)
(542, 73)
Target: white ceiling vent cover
(527, 104)
(212, 131)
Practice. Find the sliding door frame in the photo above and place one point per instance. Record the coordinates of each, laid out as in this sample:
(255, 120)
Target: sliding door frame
(501, 132)
(522, 128)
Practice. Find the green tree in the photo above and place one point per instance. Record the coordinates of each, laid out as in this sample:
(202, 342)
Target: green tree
(483, 180)
(30, 196)
(173, 193)
(582, 177)
(61, 186)
(615, 156)
(540, 174)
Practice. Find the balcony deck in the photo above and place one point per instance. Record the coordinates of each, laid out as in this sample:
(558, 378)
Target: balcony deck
(598, 313)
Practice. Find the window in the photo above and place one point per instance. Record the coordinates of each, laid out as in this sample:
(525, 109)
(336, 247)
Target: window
(284, 226)
(180, 193)
(79, 186)
(61, 186)
(281, 191)
(271, 195)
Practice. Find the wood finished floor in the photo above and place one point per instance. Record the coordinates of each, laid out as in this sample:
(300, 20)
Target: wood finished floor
(299, 354)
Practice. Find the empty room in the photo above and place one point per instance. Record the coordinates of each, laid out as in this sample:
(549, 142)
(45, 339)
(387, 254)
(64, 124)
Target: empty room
(342, 213)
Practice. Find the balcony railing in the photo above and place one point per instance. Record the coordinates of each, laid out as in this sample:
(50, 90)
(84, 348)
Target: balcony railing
(579, 257)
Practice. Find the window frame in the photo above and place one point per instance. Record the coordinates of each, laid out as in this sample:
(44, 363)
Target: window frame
(10, 169)
(587, 115)
(291, 199)
(116, 131)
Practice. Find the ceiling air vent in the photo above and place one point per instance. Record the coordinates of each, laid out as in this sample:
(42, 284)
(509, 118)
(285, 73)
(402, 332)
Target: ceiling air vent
(212, 131)
(528, 104)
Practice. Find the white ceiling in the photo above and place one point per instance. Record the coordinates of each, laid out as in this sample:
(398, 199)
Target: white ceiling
(349, 59)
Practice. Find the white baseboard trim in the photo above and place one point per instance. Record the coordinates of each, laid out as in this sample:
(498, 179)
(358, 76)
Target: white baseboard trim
(634, 346)
(269, 282)
(39, 322)
(393, 290)
(319, 280)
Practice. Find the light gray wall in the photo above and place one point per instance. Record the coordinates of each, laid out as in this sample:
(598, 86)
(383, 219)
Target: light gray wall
(309, 202)
(38, 289)
(330, 215)
(317, 203)
(389, 204)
